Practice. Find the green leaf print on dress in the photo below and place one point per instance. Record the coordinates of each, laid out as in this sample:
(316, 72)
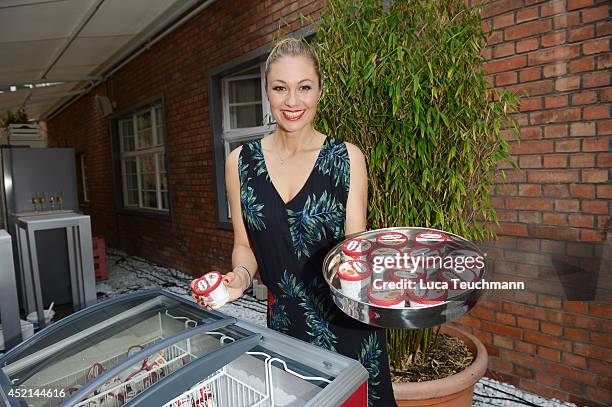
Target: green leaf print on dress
(335, 161)
(251, 210)
(368, 357)
(279, 319)
(317, 313)
(311, 225)
(257, 155)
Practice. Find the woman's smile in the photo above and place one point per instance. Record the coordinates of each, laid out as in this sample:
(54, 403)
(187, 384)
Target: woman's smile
(293, 115)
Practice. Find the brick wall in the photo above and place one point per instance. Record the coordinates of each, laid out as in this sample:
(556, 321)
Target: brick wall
(553, 209)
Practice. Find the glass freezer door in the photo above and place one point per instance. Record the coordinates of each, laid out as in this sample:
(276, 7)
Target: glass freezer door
(113, 351)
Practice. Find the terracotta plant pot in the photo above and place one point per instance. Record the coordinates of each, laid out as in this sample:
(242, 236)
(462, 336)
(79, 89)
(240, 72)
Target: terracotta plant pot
(453, 391)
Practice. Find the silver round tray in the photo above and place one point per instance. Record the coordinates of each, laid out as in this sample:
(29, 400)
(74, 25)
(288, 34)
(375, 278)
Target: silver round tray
(412, 318)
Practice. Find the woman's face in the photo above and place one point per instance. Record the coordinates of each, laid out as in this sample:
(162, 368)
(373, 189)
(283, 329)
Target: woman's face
(293, 92)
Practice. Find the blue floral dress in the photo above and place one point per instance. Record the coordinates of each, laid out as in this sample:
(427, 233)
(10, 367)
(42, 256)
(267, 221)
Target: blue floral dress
(290, 240)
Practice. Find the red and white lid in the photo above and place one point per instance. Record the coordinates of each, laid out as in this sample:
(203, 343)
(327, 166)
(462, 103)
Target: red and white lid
(386, 298)
(207, 283)
(431, 239)
(383, 252)
(353, 270)
(405, 274)
(357, 247)
(395, 240)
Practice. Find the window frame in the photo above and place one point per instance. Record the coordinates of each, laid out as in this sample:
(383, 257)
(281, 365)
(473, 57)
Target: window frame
(119, 157)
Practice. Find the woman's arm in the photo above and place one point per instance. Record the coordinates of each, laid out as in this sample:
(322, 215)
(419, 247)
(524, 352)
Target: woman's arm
(357, 202)
(243, 259)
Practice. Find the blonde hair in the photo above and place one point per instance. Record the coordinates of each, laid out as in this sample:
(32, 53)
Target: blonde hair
(293, 47)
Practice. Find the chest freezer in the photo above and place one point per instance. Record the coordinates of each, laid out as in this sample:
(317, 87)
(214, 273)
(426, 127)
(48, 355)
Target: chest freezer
(154, 348)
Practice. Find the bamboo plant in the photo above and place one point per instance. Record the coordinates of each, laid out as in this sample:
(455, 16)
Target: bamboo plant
(403, 80)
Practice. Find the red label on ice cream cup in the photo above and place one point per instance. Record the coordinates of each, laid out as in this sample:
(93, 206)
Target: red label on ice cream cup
(206, 284)
(353, 270)
(430, 239)
(421, 297)
(357, 247)
(396, 240)
(386, 298)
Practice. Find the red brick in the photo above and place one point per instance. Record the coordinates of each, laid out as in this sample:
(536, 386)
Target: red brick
(555, 161)
(532, 88)
(506, 216)
(553, 176)
(601, 309)
(555, 116)
(554, 219)
(528, 29)
(581, 221)
(530, 74)
(524, 347)
(604, 127)
(567, 20)
(576, 334)
(500, 7)
(526, 14)
(597, 207)
(593, 176)
(552, 232)
(555, 130)
(551, 329)
(602, 340)
(530, 190)
(557, 54)
(603, 28)
(595, 14)
(573, 373)
(566, 146)
(549, 354)
(571, 386)
(592, 236)
(604, 61)
(567, 205)
(582, 160)
(531, 147)
(503, 50)
(582, 129)
(522, 371)
(584, 98)
(550, 246)
(567, 83)
(503, 20)
(529, 217)
(528, 133)
(604, 191)
(596, 112)
(547, 340)
(575, 4)
(529, 203)
(582, 65)
(596, 79)
(606, 95)
(591, 351)
(495, 37)
(547, 379)
(574, 360)
(554, 70)
(595, 393)
(552, 7)
(507, 64)
(555, 101)
(505, 318)
(556, 191)
(505, 78)
(529, 104)
(527, 45)
(530, 161)
(552, 39)
(503, 342)
(528, 323)
(582, 191)
(596, 144)
(581, 33)
(604, 160)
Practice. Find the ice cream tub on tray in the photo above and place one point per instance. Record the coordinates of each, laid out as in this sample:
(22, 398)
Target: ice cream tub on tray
(357, 249)
(395, 240)
(392, 298)
(354, 275)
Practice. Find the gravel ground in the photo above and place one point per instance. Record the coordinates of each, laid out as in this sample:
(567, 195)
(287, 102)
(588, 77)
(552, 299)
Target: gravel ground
(129, 274)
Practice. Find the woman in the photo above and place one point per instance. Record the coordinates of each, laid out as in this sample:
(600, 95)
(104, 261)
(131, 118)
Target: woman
(293, 195)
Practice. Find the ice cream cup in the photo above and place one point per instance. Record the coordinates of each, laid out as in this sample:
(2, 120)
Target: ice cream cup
(420, 297)
(357, 249)
(405, 274)
(210, 287)
(431, 239)
(381, 253)
(394, 298)
(395, 240)
(353, 275)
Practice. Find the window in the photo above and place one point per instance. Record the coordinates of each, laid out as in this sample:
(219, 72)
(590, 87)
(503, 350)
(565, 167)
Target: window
(246, 112)
(143, 159)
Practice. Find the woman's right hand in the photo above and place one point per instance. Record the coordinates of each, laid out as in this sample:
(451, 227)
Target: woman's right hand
(236, 284)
